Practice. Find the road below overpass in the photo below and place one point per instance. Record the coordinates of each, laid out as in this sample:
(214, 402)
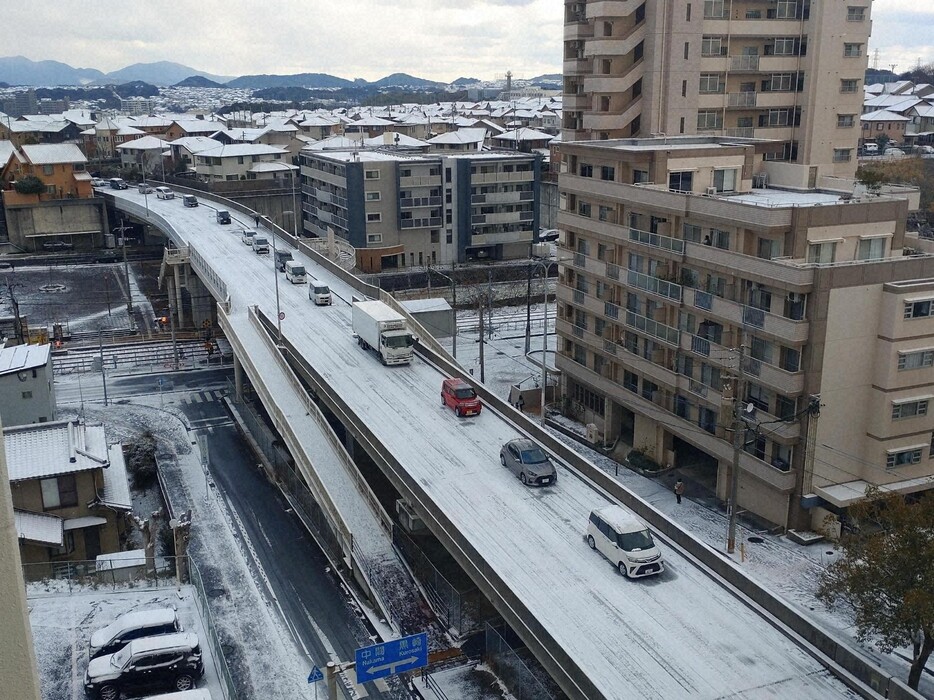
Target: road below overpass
(682, 634)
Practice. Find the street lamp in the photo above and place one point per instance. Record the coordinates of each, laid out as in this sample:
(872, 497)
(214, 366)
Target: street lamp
(275, 273)
(453, 304)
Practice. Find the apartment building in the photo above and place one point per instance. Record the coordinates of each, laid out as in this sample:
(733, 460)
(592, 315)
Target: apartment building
(403, 209)
(675, 255)
(789, 70)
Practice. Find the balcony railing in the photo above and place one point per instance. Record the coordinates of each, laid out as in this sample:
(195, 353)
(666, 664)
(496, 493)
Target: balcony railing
(703, 300)
(700, 345)
(753, 317)
(610, 310)
(741, 63)
(742, 99)
(612, 271)
(656, 240)
(669, 290)
(653, 328)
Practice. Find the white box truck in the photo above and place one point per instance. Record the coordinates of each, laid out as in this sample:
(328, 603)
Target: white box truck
(380, 327)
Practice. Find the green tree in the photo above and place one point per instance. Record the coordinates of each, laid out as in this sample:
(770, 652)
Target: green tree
(29, 185)
(886, 574)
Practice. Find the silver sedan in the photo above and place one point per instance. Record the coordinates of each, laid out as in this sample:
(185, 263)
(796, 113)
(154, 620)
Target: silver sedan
(529, 462)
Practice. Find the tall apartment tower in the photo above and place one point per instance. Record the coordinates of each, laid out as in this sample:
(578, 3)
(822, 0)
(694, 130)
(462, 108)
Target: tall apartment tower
(790, 70)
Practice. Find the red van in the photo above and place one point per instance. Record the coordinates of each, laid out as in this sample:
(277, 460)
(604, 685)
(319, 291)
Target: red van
(460, 396)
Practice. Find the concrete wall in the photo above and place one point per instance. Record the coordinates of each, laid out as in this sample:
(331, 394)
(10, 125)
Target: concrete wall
(30, 226)
(38, 407)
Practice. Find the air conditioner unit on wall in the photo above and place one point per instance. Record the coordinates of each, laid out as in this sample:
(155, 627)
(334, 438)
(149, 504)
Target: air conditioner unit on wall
(711, 191)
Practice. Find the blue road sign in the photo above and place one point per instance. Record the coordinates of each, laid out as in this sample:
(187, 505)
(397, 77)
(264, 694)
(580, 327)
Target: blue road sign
(392, 657)
(161, 381)
(315, 675)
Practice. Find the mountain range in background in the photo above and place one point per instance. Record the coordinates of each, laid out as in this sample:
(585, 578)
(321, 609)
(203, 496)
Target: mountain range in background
(18, 70)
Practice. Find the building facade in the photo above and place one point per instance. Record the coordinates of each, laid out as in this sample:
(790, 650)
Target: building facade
(402, 210)
(26, 389)
(664, 283)
(790, 70)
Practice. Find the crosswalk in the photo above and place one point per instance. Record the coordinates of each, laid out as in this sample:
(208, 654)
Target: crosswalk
(203, 397)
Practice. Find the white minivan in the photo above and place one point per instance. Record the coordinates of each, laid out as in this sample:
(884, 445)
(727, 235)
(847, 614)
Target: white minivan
(294, 272)
(625, 540)
(260, 244)
(319, 292)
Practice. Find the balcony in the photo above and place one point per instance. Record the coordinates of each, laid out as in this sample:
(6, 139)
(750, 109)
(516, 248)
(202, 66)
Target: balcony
(741, 99)
(737, 314)
(653, 328)
(655, 240)
(493, 178)
(654, 285)
(419, 181)
(615, 45)
(416, 202)
(769, 271)
(578, 66)
(499, 198)
(787, 383)
(430, 222)
(744, 64)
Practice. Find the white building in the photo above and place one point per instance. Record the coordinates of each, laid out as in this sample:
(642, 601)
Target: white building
(26, 394)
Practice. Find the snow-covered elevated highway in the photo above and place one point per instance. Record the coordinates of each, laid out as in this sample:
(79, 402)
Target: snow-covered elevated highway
(683, 634)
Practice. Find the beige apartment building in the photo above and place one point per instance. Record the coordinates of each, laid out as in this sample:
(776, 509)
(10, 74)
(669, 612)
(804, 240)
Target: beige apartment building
(674, 254)
(789, 70)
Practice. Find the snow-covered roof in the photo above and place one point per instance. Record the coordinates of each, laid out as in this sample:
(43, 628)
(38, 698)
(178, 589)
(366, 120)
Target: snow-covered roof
(48, 449)
(116, 491)
(461, 136)
(234, 150)
(333, 142)
(200, 126)
(23, 357)
(147, 143)
(7, 149)
(850, 492)
(196, 144)
(83, 522)
(38, 527)
(420, 306)
(53, 153)
(394, 138)
(26, 127)
(883, 115)
(524, 135)
(271, 167)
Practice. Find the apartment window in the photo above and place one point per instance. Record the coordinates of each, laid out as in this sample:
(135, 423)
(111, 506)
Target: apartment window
(371, 174)
(855, 14)
(917, 309)
(714, 9)
(59, 492)
(684, 88)
(709, 119)
(779, 82)
(648, 389)
(842, 155)
(372, 196)
(604, 103)
(607, 29)
(909, 409)
(786, 9)
(710, 83)
(871, 249)
(848, 85)
(586, 170)
(605, 214)
(852, 50)
(691, 233)
(785, 46)
(608, 172)
(712, 46)
(846, 121)
(374, 238)
(681, 181)
(687, 13)
(687, 50)
(725, 180)
(719, 239)
(768, 248)
(785, 407)
(48, 169)
(640, 176)
(915, 360)
(631, 381)
(903, 457)
(583, 208)
(374, 217)
(821, 252)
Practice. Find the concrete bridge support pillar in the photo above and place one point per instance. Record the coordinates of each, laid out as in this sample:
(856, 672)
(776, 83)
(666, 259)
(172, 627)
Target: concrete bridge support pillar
(177, 289)
(238, 379)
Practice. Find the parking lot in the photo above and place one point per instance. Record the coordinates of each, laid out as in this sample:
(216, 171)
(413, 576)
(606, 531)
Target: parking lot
(63, 621)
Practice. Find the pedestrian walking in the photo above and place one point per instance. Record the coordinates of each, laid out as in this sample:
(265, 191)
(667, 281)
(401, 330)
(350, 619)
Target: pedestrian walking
(679, 489)
(256, 220)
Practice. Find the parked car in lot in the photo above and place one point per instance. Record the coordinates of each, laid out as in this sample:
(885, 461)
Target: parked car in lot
(529, 462)
(926, 149)
(625, 540)
(130, 626)
(222, 216)
(165, 662)
(459, 395)
(189, 200)
(891, 151)
(870, 149)
(164, 193)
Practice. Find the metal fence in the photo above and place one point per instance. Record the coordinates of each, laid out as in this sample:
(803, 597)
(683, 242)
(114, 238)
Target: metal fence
(220, 661)
(124, 573)
(511, 669)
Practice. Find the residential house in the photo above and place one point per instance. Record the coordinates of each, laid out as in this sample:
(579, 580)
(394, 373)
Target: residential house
(27, 394)
(144, 154)
(70, 494)
(241, 161)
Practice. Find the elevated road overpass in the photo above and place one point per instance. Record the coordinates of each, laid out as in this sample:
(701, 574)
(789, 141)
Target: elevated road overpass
(702, 629)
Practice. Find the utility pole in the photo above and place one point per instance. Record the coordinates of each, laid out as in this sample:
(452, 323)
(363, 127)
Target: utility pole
(480, 316)
(739, 436)
(126, 267)
(100, 348)
(172, 327)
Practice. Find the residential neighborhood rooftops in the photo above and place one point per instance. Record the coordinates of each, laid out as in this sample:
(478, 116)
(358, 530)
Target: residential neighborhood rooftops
(146, 143)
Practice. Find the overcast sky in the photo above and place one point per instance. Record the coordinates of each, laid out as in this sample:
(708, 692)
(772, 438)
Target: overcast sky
(435, 39)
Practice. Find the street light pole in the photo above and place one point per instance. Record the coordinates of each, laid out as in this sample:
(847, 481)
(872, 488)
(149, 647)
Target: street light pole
(294, 208)
(545, 266)
(100, 347)
(275, 274)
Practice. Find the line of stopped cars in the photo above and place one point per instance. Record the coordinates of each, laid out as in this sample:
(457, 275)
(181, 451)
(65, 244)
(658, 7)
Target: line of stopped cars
(612, 530)
(141, 652)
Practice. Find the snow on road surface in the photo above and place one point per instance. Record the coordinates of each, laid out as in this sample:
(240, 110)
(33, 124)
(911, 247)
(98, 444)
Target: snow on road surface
(676, 635)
